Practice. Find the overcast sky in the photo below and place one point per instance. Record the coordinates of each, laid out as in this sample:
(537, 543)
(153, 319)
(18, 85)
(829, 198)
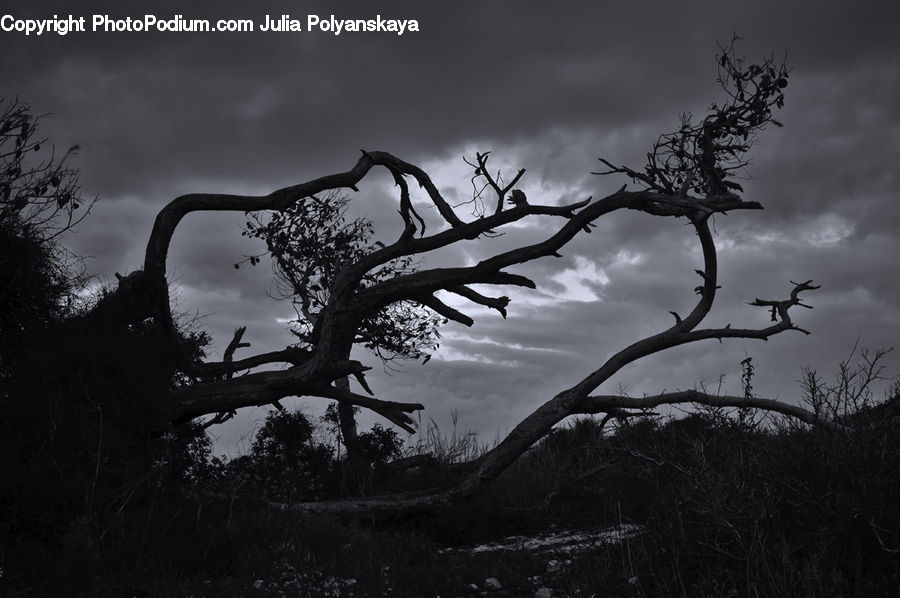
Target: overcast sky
(546, 87)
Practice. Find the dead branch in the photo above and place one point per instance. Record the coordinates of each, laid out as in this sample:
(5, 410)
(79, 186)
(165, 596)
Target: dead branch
(602, 403)
(690, 174)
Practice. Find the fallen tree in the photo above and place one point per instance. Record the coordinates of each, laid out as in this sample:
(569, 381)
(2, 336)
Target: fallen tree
(689, 176)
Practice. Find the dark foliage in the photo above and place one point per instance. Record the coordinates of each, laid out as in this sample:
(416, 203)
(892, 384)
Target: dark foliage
(289, 462)
(731, 508)
(378, 446)
(309, 243)
(82, 406)
(80, 432)
(39, 196)
(286, 462)
(707, 157)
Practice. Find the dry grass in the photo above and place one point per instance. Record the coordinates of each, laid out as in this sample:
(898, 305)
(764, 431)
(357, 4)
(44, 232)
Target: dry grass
(727, 506)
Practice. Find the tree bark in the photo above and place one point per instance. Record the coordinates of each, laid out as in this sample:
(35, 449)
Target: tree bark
(347, 424)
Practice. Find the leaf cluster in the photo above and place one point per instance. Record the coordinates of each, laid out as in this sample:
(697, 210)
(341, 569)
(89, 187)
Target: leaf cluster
(37, 191)
(39, 278)
(310, 243)
(705, 157)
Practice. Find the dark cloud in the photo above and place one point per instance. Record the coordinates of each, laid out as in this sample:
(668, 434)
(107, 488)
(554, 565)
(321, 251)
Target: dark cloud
(549, 90)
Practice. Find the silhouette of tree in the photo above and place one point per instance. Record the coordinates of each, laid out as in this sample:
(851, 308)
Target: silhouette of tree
(80, 428)
(691, 174)
(287, 460)
(40, 200)
(309, 243)
(39, 284)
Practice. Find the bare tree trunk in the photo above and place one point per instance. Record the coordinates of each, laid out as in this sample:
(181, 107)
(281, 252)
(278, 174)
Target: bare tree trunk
(347, 424)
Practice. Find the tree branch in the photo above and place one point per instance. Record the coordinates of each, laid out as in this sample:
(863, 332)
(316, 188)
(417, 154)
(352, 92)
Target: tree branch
(391, 410)
(498, 303)
(265, 388)
(233, 346)
(406, 208)
(292, 355)
(689, 174)
(445, 310)
(603, 403)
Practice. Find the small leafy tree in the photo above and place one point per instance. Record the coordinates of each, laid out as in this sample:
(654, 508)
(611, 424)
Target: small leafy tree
(80, 428)
(39, 193)
(288, 462)
(378, 446)
(309, 243)
(40, 199)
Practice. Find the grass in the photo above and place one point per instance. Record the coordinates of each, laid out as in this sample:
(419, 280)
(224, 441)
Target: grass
(728, 507)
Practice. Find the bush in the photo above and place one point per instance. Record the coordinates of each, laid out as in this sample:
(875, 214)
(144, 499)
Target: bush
(754, 511)
(286, 463)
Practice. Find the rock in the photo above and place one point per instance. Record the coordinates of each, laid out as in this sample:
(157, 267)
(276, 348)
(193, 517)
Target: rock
(543, 593)
(492, 583)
